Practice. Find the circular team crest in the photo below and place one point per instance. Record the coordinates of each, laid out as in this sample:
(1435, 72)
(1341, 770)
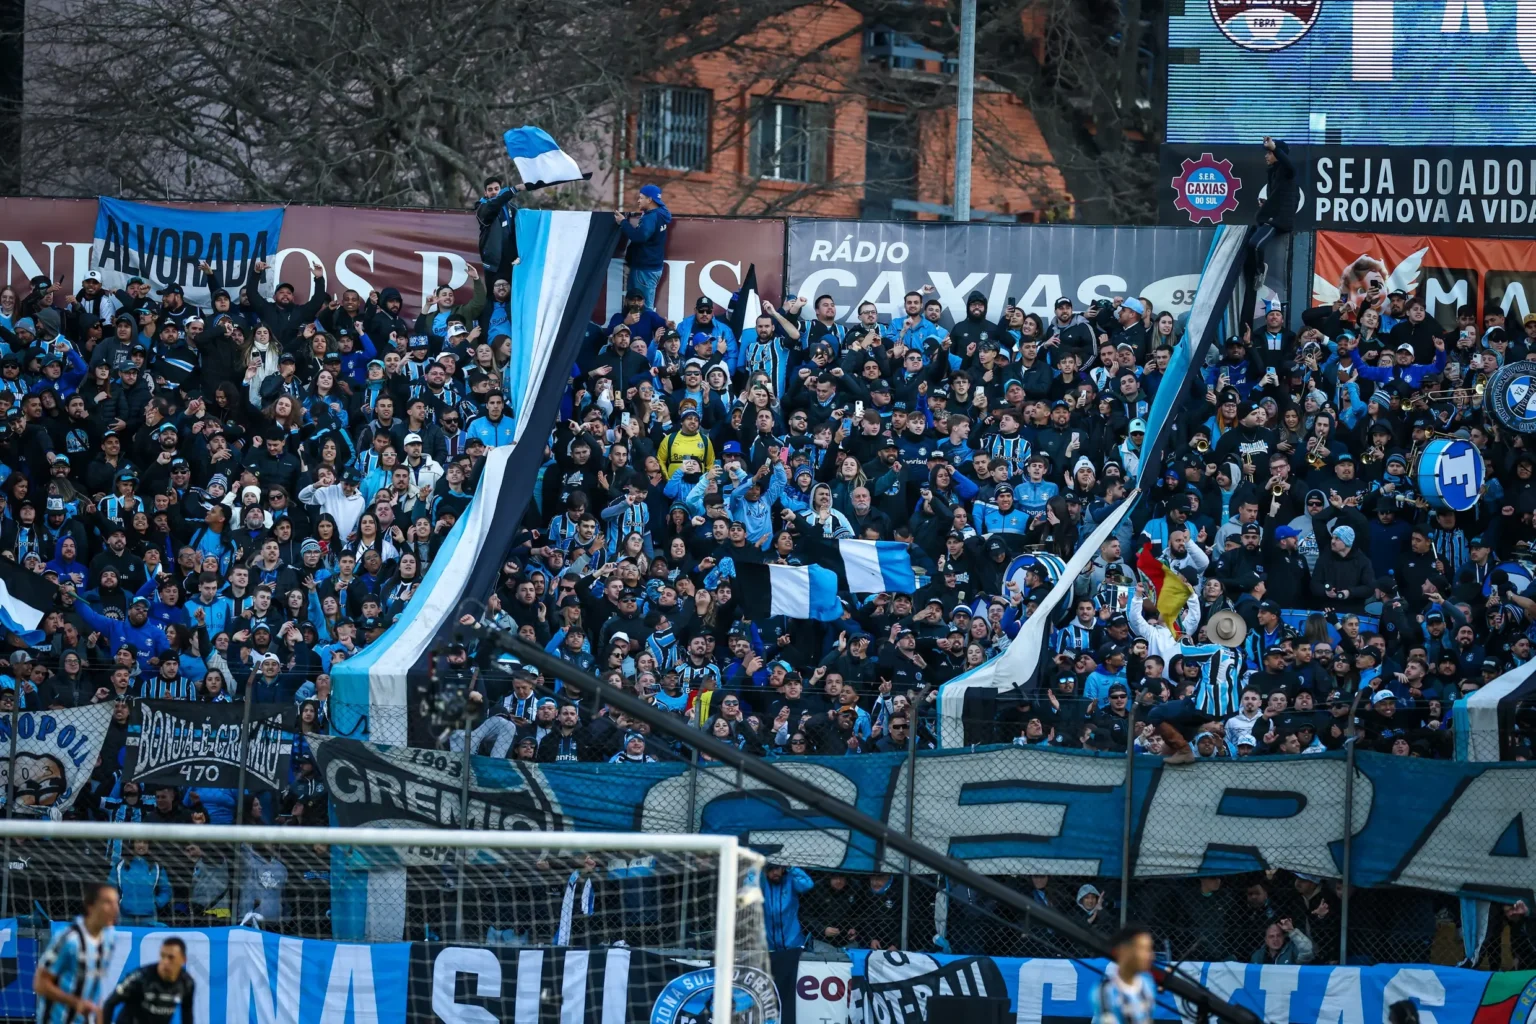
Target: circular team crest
(1206, 189)
(1265, 25)
(689, 999)
(1513, 395)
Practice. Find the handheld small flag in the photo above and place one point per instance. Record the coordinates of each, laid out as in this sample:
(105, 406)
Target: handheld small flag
(539, 159)
(25, 597)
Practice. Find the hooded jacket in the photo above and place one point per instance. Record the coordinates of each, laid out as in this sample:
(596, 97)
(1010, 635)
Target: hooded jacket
(1279, 206)
(498, 231)
(647, 239)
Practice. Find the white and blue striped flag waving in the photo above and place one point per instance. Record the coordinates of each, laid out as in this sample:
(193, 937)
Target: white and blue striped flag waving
(811, 591)
(539, 158)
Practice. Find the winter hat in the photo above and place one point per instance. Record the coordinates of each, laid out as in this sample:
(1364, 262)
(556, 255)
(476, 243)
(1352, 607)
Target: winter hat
(1345, 534)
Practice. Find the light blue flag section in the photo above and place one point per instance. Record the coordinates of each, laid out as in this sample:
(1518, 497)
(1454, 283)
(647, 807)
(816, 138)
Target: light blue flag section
(805, 592)
(877, 566)
(164, 245)
(539, 158)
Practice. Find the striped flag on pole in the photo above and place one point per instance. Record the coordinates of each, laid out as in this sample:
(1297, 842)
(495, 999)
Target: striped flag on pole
(539, 158)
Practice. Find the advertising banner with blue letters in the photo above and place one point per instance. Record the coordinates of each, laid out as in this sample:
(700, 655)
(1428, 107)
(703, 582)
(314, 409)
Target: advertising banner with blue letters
(1439, 825)
(244, 976)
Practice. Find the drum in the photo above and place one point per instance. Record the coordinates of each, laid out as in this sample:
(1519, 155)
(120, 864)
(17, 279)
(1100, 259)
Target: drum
(1521, 575)
(1051, 565)
(1450, 473)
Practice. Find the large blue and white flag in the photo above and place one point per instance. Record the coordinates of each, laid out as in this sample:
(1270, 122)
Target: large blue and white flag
(25, 597)
(798, 591)
(164, 245)
(811, 591)
(539, 158)
(877, 566)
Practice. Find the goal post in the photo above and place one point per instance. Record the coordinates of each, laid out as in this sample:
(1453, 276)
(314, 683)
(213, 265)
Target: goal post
(674, 899)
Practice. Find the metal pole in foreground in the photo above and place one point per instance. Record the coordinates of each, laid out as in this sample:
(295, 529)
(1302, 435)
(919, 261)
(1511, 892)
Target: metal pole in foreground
(964, 102)
(1125, 822)
(906, 871)
(462, 855)
(10, 809)
(822, 803)
(1349, 828)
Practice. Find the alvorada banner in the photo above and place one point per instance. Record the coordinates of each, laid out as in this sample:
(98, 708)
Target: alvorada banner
(250, 977)
(164, 245)
(187, 743)
(55, 755)
(1033, 265)
(1009, 810)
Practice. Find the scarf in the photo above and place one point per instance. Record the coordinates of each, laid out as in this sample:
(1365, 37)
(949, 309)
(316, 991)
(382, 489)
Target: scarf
(568, 906)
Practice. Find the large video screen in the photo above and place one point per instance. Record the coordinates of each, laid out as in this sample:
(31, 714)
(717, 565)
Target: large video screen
(1362, 72)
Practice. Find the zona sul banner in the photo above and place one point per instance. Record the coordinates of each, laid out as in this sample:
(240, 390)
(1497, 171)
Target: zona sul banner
(880, 261)
(250, 977)
(55, 755)
(412, 250)
(1487, 274)
(186, 743)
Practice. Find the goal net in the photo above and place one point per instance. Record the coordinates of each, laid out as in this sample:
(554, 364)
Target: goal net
(456, 926)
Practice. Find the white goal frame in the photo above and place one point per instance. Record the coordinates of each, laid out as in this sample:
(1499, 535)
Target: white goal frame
(731, 855)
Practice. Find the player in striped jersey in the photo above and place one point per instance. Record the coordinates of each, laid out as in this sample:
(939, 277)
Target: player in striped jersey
(1128, 993)
(68, 980)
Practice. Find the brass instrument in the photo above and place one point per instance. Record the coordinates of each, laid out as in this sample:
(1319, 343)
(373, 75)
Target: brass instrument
(1201, 445)
(1278, 490)
(1317, 455)
(1456, 394)
(1370, 455)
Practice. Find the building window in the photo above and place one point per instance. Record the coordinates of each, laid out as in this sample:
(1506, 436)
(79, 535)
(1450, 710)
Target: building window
(890, 165)
(790, 141)
(673, 129)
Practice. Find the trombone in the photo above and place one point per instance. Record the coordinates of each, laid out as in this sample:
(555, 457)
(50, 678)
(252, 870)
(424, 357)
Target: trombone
(1456, 394)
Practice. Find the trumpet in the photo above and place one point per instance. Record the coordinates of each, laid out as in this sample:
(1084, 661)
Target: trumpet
(1457, 394)
(1201, 445)
(1317, 455)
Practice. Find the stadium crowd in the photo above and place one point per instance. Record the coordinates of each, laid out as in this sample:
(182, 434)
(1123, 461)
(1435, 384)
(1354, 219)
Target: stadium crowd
(237, 498)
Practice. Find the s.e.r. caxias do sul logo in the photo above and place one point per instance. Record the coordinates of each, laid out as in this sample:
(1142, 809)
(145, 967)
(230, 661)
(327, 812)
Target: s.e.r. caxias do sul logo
(1265, 25)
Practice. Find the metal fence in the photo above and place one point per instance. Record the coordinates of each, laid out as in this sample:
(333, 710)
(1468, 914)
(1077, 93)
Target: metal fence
(1218, 917)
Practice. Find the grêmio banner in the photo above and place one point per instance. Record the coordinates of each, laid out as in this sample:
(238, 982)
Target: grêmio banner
(190, 743)
(1467, 191)
(1008, 810)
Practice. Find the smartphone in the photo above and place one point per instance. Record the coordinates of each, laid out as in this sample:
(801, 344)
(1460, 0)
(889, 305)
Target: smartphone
(624, 420)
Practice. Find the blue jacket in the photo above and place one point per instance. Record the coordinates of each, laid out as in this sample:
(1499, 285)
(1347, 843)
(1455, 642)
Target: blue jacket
(757, 515)
(149, 639)
(145, 886)
(1414, 374)
(647, 239)
(493, 434)
(781, 908)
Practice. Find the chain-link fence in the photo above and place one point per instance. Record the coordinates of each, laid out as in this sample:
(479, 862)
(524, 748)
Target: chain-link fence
(1244, 912)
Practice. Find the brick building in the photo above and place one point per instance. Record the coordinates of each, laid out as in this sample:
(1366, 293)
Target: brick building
(820, 113)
